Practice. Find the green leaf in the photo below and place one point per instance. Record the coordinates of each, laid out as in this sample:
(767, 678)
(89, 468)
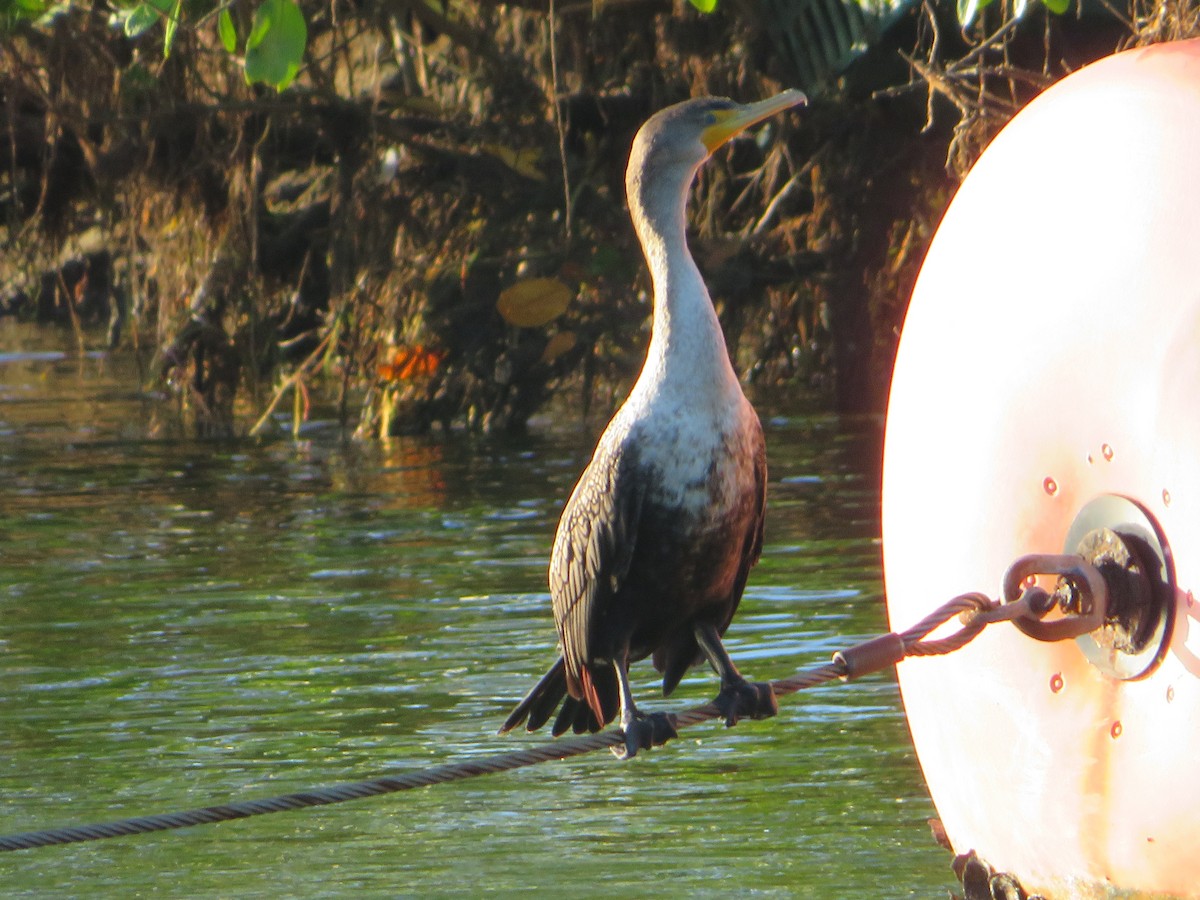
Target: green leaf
(140, 19)
(1058, 7)
(173, 15)
(969, 9)
(261, 24)
(226, 31)
(275, 46)
(13, 10)
(705, 6)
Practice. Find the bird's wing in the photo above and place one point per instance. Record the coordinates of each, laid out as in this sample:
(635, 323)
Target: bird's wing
(592, 552)
(760, 483)
(754, 537)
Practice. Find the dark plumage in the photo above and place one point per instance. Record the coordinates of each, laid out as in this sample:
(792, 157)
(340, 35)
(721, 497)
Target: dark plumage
(656, 541)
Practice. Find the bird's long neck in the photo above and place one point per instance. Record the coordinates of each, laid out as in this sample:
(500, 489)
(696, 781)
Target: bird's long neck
(686, 345)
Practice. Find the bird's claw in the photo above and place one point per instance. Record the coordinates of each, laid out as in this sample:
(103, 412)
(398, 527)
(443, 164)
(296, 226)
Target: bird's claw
(646, 730)
(746, 700)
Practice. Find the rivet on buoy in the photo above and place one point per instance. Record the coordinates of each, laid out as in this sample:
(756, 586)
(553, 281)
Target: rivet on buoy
(1166, 497)
(1050, 486)
(1115, 731)
(1107, 450)
(1056, 682)
(1170, 693)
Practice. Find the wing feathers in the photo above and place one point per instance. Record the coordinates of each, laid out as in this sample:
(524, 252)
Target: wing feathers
(593, 548)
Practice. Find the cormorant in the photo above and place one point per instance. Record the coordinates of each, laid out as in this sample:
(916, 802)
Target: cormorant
(658, 536)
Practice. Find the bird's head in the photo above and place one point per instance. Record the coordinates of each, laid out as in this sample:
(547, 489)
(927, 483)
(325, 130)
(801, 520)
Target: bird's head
(681, 137)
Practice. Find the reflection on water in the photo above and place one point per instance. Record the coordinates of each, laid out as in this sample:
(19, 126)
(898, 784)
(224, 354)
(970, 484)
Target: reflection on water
(184, 623)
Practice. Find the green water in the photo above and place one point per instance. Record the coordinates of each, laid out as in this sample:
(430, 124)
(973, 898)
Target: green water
(183, 624)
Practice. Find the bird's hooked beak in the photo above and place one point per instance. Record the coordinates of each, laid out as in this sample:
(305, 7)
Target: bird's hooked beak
(731, 122)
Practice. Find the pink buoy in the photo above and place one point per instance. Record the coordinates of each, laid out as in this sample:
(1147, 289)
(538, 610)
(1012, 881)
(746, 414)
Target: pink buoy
(1047, 386)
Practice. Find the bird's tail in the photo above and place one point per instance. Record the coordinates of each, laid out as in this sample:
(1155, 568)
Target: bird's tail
(540, 703)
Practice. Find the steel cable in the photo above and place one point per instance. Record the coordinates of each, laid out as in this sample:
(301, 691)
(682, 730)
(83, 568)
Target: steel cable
(912, 641)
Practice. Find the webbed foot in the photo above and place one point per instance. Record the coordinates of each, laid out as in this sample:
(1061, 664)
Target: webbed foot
(646, 730)
(746, 700)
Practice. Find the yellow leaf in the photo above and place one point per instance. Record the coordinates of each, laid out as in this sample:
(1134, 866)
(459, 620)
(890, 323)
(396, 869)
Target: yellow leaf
(533, 302)
(558, 345)
(523, 161)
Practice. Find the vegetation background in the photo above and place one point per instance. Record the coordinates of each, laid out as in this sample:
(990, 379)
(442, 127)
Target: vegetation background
(413, 209)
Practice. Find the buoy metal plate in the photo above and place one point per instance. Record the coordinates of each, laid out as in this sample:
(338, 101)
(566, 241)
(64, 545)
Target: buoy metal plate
(1126, 543)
